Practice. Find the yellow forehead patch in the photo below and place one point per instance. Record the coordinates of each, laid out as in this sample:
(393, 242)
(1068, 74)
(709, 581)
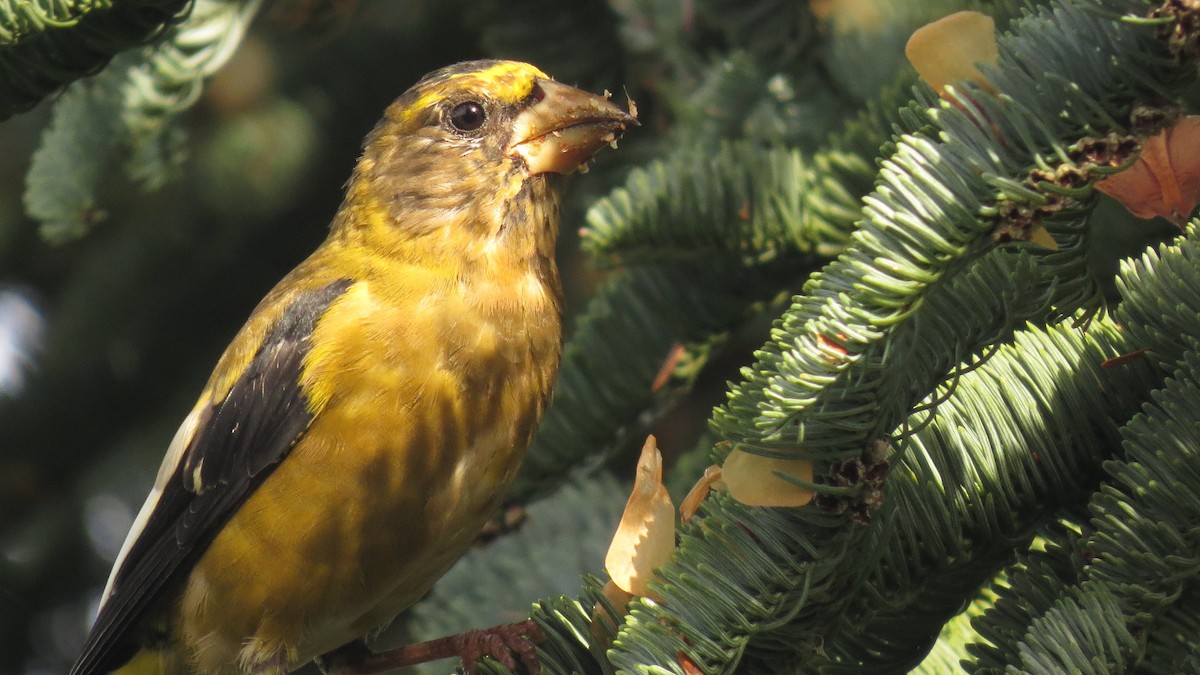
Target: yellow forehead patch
(505, 81)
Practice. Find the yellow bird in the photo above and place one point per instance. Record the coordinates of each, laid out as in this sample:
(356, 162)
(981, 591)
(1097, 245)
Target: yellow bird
(366, 420)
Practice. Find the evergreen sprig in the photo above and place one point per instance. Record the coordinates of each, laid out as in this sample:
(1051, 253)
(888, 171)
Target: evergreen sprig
(604, 395)
(923, 221)
(934, 204)
(171, 82)
(21, 19)
(1028, 431)
(744, 197)
(1141, 537)
(1159, 305)
(47, 44)
(72, 159)
(932, 544)
(1171, 647)
(131, 107)
(1140, 548)
(739, 199)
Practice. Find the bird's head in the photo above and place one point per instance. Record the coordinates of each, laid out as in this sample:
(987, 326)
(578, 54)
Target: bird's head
(509, 110)
(476, 144)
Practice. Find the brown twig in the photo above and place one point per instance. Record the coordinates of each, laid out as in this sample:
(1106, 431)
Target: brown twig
(500, 642)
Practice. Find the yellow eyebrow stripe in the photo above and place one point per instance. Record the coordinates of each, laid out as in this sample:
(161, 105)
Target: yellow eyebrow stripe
(507, 82)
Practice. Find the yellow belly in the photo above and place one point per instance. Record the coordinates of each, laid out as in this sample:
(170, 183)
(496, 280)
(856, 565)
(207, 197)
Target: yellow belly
(339, 539)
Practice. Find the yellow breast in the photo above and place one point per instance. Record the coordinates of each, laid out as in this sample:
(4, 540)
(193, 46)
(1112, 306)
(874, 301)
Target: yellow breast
(429, 392)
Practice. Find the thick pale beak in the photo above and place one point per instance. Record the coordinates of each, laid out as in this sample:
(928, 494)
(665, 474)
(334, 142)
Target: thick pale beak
(561, 131)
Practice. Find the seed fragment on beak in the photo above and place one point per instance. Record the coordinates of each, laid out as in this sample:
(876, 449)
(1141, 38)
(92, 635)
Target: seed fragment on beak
(563, 130)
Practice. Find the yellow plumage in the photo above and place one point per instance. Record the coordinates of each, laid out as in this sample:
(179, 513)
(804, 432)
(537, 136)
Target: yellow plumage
(365, 421)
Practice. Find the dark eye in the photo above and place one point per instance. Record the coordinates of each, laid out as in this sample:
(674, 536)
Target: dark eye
(467, 116)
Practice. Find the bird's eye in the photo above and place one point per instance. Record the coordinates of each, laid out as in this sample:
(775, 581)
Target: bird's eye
(467, 116)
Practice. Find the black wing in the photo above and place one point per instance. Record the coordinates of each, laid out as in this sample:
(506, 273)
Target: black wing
(236, 445)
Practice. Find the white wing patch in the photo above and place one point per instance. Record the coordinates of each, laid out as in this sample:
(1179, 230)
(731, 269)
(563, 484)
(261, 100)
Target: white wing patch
(183, 438)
